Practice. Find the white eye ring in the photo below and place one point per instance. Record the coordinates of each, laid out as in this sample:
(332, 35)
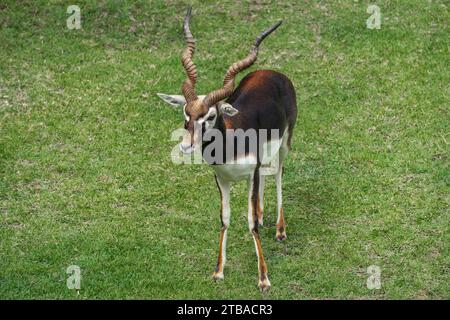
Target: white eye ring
(210, 116)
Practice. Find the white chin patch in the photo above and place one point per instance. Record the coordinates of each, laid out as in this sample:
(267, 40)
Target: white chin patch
(187, 150)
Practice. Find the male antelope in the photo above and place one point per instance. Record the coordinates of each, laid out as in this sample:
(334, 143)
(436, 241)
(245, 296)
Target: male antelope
(263, 100)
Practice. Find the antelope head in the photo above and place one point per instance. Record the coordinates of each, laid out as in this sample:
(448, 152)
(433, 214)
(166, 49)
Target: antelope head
(201, 112)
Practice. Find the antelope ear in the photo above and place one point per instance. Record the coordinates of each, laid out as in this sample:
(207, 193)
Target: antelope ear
(173, 99)
(228, 109)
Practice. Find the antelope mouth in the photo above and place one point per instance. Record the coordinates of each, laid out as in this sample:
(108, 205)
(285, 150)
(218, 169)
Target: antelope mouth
(186, 149)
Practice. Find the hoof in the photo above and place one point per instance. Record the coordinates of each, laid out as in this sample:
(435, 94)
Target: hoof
(264, 284)
(281, 237)
(218, 276)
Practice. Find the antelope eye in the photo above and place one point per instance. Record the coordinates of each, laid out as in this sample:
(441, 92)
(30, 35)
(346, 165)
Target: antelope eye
(211, 117)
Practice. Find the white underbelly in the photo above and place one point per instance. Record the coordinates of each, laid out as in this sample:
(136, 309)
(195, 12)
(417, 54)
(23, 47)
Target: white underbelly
(244, 167)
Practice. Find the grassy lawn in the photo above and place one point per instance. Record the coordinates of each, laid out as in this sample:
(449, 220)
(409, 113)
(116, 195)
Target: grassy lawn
(86, 176)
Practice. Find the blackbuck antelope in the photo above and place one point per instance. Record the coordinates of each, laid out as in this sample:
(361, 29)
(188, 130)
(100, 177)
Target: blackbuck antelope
(263, 101)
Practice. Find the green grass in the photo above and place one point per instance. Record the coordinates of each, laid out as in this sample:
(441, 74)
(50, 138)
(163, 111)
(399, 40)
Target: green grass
(86, 177)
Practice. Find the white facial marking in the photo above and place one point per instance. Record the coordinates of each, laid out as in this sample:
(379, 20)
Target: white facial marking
(211, 112)
(184, 112)
(205, 119)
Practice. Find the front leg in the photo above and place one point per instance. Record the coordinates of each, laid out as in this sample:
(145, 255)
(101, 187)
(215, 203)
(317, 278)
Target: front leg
(281, 225)
(260, 206)
(224, 189)
(253, 194)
